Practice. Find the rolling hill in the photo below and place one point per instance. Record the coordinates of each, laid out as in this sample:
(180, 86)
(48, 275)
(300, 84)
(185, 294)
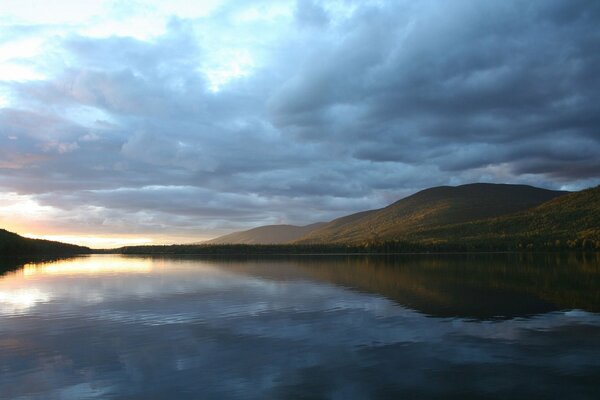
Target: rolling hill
(12, 244)
(269, 234)
(428, 209)
(475, 217)
(571, 221)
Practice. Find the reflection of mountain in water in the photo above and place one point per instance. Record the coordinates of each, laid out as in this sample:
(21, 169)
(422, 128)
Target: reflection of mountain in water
(471, 286)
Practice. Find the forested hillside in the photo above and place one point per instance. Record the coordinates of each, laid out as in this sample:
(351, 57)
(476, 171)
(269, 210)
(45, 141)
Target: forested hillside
(13, 244)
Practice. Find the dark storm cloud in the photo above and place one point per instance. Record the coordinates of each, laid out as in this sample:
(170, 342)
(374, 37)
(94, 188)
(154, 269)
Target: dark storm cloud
(347, 109)
(469, 79)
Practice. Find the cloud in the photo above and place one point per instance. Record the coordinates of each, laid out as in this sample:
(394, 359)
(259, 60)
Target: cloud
(300, 111)
(309, 13)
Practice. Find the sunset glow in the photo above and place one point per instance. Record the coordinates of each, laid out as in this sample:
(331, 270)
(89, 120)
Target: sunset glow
(94, 241)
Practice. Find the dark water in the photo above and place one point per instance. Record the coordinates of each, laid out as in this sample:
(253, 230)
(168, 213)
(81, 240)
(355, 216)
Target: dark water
(488, 326)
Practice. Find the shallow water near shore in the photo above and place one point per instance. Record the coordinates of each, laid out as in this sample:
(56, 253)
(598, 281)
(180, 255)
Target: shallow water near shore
(339, 327)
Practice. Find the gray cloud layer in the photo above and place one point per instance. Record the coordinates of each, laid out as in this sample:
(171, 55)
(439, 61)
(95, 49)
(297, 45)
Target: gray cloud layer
(345, 111)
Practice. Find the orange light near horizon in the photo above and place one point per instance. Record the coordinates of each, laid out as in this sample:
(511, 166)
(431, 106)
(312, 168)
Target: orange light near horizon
(96, 242)
(89, 266)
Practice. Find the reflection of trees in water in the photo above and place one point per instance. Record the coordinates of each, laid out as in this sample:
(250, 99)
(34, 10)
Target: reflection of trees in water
(467, 285)
(8, 264)
(479, 286)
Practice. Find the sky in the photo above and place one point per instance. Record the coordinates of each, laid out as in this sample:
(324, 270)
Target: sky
(134, 122)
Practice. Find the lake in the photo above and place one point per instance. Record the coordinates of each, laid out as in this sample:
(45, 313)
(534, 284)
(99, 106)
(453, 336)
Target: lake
(303, 327)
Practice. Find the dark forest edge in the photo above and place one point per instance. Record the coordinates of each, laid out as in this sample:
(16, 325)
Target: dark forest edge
(367, 248)
(12, 244)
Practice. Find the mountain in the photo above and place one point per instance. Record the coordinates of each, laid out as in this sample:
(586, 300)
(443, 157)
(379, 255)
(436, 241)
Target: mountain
(571, 221)
(475, 217)
(13, 244)
(269, 234)
(428, 209)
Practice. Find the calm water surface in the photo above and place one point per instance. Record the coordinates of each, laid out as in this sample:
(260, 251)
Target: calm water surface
(115, 327)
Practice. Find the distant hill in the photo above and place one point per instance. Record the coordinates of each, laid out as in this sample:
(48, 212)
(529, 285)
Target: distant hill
(269, 234)
(12, 244)
(428, 209)
(571, 221)
(475, 217)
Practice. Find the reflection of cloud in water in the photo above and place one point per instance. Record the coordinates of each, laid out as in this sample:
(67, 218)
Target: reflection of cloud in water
(337, 315)
(20, 300)
(85, 280)
(224, 331)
